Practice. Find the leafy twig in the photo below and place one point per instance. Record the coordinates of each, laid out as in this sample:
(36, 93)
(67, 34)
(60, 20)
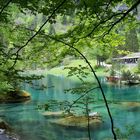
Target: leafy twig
(122, 17)
(30, 39)
(82, 96)
(6, 5)
(92, 70)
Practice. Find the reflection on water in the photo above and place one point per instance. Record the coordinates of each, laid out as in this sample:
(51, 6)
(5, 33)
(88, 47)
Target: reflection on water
(29, 123)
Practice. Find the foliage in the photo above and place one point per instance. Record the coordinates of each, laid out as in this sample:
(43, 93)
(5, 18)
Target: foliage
(112, 72)
(76, 107)
(54, 105)
(132, 41)
(80, 72)
(4, 87)
(125, 135)
(128, 76)
(137, 68)
(51, 30)
(83, 90)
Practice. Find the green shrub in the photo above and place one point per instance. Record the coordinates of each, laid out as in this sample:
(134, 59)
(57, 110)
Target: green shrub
(112, 72)
(127, 75)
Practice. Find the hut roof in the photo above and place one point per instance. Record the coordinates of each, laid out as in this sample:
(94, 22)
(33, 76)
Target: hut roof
(132, 55)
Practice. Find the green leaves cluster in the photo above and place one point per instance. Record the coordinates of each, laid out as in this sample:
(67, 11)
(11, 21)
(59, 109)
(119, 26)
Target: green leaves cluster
(81, 72)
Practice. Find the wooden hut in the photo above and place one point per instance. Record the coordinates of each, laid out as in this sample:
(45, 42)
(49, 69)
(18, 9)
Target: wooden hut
(129, 59)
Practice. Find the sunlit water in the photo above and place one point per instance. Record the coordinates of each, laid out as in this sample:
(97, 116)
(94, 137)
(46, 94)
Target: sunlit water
(29, 123)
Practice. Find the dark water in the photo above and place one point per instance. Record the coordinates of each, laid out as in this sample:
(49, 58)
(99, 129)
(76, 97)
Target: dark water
(30, 124)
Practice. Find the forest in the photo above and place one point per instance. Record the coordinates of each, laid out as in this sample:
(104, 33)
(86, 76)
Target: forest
(69, 70)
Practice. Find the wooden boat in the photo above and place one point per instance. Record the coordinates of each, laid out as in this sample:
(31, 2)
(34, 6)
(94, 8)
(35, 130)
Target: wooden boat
(113, 79)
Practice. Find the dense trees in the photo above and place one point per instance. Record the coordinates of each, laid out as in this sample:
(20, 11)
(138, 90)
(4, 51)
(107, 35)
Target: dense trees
(132, 43)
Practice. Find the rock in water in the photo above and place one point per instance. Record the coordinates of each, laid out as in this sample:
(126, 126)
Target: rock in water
(92, 114)
(2, 131)
(6, 132)
(78, 121)
(58, 114)
(15, 96)
(4, 126)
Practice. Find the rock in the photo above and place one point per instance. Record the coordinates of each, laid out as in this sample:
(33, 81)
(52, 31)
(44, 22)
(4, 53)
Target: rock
(2, 131)
(24, 94)
(4, 126)
(129, 104)
(78, 121)
(93, 114)
(50, 114)
(57, 114)
(70, 120)
(15, 96)
(6, 133)
(19, 94)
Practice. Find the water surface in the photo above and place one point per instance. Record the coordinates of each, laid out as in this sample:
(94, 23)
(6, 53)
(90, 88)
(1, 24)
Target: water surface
(29, 123)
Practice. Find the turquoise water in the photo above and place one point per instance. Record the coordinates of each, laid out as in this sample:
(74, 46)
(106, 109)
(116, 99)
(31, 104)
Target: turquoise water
(29, 123)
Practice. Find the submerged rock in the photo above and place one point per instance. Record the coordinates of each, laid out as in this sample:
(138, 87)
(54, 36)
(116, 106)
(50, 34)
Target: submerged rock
(15, 96)
(50, 114)
(6, 136)
(79, 121)
(129, 104)
(70, 120)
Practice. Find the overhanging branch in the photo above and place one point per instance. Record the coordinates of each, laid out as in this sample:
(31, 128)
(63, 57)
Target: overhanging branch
(36, 33)
(82, 96)
(6, 5)
(94, 74)
(109, 18)
(122, 17)
(92, 70)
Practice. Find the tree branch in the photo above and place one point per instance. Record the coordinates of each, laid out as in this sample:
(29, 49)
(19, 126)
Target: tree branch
(100, 23)
(81, 97)
(6, 5)
(121, 18)
(92, 70)
(108, 4)
(99, 84)
(109, 18)
(30, 39)
(104, 97)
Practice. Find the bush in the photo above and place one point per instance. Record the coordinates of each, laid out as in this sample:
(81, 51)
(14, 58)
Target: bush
(127, 75)
(112, 72)
(108, 61)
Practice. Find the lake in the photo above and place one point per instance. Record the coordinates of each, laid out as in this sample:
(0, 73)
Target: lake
(29, 123)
